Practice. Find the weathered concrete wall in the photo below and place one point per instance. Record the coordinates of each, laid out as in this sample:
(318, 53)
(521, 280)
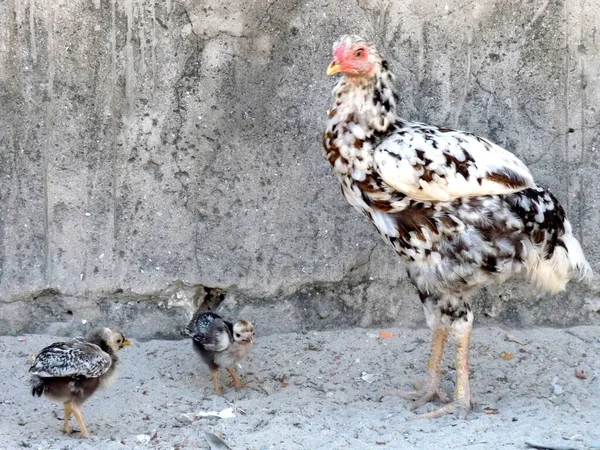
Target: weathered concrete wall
(150, 149)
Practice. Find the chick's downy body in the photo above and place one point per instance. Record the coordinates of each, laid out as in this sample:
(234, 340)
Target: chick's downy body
(71, 372)
(221, 343)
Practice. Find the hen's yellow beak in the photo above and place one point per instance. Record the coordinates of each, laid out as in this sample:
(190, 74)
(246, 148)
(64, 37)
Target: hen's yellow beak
(126, 343)
(333, 69)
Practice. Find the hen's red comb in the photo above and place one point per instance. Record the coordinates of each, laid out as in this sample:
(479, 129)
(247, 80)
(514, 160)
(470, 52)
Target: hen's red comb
(338, 52)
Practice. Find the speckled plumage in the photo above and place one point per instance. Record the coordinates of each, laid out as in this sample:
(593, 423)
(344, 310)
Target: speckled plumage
(460, 210)
(76, 358)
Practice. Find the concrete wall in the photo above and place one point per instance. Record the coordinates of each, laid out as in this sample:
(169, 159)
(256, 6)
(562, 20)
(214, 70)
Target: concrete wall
(150, 150)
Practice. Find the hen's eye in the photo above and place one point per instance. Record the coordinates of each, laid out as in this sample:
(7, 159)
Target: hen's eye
(237, 334)
(359, 53)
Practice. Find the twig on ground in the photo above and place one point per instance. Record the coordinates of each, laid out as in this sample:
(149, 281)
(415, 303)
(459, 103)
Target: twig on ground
(547, 446)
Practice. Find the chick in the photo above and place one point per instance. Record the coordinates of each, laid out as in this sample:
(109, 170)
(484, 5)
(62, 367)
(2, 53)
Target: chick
(70, 372)
(221, 343)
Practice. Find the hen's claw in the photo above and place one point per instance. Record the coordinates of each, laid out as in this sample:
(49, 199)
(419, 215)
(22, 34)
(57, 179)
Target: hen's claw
(459, 406)
(423, 396)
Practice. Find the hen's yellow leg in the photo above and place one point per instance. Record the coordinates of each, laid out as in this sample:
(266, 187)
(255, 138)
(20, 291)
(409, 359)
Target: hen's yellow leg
(431, 387)
(462, 393)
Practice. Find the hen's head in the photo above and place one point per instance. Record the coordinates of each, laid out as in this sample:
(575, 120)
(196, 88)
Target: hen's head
(243, 332)
(354, 56)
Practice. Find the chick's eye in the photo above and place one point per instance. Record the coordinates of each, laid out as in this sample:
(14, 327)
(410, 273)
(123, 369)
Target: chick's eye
(359, 53)
(119, 341)
(237, 334)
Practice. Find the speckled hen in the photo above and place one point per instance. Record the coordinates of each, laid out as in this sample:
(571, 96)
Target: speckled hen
(221, 343)
(72, 371)
(460, 210)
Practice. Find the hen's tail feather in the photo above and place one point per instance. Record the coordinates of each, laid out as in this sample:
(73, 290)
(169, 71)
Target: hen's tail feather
(582, 271)
(567, 262)
(37, 386)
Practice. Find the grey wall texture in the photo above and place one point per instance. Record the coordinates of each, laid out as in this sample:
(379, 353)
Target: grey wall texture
(151, 150)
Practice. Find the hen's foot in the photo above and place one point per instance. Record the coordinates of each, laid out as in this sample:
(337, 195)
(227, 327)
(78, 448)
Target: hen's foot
(429, 392)
(460, 405)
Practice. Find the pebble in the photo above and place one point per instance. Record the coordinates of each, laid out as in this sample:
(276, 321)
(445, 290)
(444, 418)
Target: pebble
(143, 438)
(557, 389)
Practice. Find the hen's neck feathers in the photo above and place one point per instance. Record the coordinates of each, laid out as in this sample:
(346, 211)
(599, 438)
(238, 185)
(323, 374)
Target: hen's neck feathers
(364, 109)
(372, 100)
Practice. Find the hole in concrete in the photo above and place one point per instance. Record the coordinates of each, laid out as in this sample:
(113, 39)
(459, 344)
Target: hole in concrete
(213, 297)
(69, 312)
(208, 299)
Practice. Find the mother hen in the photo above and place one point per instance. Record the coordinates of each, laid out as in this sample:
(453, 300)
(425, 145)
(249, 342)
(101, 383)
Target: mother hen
(463, 212)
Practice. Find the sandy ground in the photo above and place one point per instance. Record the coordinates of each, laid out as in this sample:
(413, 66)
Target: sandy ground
(306, 391)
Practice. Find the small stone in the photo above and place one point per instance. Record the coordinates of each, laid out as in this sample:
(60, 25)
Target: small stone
(368, 377)
(186, 419)
(324, 314)
(143, 438)
(557, 389)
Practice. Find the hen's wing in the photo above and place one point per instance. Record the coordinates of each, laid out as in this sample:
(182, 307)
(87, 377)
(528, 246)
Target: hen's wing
(429, 163)
(71, 359)
(212, 332)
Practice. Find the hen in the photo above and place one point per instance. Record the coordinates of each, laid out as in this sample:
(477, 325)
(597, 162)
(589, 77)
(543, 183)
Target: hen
(460, 210)
(71, 372)
(221, 343)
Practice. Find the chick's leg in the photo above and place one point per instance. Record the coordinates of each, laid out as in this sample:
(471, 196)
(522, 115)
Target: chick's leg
(66, 428)
(215, 377)
(79, 417)
(462, 393)
(236, 381)
(431, 387)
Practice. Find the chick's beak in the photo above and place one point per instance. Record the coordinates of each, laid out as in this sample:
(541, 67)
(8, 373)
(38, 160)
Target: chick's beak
(126, 343)
(333, 69)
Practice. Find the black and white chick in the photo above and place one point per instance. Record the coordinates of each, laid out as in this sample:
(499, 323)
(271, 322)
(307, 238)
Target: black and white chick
(221, 344)
(71, 372)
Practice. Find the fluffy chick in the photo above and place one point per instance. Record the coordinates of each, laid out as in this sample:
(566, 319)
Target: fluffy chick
(221, 343)
(70, 372)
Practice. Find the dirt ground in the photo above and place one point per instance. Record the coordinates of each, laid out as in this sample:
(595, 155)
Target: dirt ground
(323, 390)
